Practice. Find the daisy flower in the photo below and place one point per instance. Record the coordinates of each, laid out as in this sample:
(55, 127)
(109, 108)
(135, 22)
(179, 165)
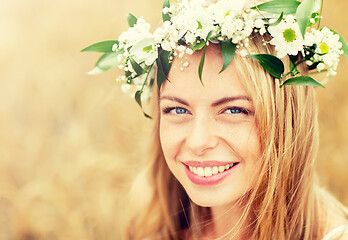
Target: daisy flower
(287, 37)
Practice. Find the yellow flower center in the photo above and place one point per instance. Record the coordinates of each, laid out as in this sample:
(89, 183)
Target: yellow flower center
(289, 35)
(324, 48)
(147, 49)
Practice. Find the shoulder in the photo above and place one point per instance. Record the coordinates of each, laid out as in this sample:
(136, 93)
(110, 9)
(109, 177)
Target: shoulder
(333, 217)
(338, 233)
(336, 226)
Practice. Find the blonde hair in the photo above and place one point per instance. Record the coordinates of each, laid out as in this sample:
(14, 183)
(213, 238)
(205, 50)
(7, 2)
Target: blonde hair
(285, 202)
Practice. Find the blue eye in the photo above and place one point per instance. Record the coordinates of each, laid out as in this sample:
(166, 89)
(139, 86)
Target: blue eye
(175, 110)
(180, 110)
(236, 110)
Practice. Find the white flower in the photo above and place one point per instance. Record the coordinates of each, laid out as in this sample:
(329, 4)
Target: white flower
(328, 49)
(140, 30)
(320, 67)
(145, 51)
(287, 37)
(225, 8)
(259, 23)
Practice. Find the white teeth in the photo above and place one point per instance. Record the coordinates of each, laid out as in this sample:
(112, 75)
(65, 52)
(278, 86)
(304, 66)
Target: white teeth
(209, 171)
(215, 170)
(200, 172)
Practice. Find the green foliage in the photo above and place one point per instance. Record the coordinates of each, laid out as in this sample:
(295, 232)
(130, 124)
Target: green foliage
(105, 62)
(163, 67)
(138, 100)
(104, 46)
(166, 17)
(278, 6)
(228, 50)
(132, 20)
(278, 20)
(303, 81)
(270, 63)
(201, 64)
(292, 65)
(210, 36)
(198, 46)
(303, 14)
(344, 44)
(316, 17)
(137, 68)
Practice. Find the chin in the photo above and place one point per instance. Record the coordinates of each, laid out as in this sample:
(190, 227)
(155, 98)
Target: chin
(211, 198)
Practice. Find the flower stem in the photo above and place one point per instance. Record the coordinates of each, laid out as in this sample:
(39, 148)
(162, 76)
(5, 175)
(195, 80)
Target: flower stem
(320, 14)
(148, 73)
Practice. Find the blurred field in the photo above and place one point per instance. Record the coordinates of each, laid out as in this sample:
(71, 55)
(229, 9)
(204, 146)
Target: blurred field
(68, 147)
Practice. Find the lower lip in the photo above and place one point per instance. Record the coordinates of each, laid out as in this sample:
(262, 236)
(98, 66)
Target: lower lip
(212, 180)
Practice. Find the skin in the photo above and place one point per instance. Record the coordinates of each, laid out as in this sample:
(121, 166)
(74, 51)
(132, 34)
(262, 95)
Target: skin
(214, 122)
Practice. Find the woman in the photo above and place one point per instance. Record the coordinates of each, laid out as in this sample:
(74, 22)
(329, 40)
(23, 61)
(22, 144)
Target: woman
(269, 136)
(233, 149)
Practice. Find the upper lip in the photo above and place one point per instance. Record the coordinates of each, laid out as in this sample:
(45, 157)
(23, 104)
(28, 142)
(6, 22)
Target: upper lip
(206, 163)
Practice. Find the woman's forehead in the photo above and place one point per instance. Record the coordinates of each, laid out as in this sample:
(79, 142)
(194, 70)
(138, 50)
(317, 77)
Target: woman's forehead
(185, 81)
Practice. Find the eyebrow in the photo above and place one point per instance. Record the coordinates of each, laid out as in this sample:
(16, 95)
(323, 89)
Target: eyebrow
(175, 99)
(230, 99)
(214, 104)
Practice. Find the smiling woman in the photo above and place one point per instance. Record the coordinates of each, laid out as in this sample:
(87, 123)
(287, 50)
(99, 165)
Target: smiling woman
(204, 128)
(239, 154)
(234, 143)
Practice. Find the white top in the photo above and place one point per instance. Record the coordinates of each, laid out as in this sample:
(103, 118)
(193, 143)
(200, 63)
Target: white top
(336, 232)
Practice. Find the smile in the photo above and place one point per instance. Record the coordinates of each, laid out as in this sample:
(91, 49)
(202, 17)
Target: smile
(209, 171)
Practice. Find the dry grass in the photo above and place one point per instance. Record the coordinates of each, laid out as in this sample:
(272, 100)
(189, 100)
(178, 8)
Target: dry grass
(67, 145)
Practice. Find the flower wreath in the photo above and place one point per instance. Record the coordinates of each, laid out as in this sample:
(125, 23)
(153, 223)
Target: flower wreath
(192, 25)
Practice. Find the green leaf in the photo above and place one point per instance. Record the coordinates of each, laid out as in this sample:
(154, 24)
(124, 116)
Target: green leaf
(278, 20)
(292, 65)
(210, 34)
(304, 13)
(270, 63)
(344, 47)
(278, 6)
(166, 63)
(137, 68)
(166, 17)
(132, 20)
(138, 100)
(228, 50)
(316, 17)
(201, 64)
(105, 62)
(144, 43)
(163, 67)
(197, 46)
(303, 81)
(104, 46)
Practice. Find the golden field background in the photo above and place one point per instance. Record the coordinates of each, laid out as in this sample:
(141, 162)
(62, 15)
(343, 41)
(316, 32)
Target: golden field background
(70, 143)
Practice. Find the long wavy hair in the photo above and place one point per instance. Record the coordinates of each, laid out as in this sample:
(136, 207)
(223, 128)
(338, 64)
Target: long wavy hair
(285, 203)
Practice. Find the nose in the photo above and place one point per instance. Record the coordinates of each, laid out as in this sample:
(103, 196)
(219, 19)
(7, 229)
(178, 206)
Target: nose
(201, 137)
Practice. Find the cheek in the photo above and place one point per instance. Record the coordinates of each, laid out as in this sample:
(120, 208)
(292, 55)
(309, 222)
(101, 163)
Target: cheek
(169, 139)
(245, 141)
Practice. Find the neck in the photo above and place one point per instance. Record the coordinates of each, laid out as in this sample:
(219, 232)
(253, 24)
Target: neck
(225, 219)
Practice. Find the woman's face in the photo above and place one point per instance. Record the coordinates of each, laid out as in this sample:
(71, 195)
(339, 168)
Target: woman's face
(208, 132)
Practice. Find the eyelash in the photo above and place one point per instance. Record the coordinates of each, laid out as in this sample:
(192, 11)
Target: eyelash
(234, 110)
(169, 109)
(237, 110)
